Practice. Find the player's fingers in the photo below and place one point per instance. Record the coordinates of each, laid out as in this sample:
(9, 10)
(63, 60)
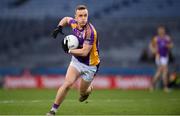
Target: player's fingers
(66, 42)
(53, 34)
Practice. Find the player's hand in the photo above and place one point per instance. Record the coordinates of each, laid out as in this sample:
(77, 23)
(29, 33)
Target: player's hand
(56, 31)
(65, 46)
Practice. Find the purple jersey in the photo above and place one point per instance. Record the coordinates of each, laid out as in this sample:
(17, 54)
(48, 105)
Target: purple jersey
(162, 43)
(87, 35)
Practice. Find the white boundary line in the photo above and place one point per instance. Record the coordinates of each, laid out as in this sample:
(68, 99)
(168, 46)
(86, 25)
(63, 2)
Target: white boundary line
(76, 100)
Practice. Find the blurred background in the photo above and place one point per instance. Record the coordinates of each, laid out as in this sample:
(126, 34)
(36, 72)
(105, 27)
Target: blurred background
(125, 28)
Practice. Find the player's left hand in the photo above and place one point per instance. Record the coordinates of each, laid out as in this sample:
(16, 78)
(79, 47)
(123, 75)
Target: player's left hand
(65, 46)
(56, 31)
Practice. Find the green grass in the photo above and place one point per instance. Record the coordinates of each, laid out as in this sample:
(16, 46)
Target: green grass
(101, 102)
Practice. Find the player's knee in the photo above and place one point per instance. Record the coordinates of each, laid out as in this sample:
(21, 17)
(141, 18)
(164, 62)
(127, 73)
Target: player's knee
(164, 74)
(161, 69)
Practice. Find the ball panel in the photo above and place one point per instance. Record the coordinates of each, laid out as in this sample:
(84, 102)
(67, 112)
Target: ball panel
(73, 41)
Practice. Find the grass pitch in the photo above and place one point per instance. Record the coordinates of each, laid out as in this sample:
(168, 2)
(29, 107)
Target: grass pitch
(101, 102)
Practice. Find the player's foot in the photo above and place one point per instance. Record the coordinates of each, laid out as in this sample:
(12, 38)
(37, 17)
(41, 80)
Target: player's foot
(51, 113)
(84, 97)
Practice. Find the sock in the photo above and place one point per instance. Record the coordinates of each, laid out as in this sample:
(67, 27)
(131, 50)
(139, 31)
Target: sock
(54, 107)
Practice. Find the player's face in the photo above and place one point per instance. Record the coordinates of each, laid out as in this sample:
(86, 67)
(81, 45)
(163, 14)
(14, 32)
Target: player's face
(161, 31)
(81, 16)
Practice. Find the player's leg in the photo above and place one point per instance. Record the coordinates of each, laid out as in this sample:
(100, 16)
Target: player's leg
(158, 72)
(71, 76)
(156, 77)
(165, 78)
(84, 89)
(85, 83)
(165, 73)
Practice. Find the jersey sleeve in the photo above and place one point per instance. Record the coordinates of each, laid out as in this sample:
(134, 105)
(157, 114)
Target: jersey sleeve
(73, 23)
(89, 39)
(154, 41)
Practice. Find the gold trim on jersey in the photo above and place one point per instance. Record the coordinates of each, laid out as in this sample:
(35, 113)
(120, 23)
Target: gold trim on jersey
(94, 56)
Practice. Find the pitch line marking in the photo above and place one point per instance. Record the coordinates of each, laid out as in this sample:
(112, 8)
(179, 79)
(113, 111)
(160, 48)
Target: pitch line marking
(76, 100)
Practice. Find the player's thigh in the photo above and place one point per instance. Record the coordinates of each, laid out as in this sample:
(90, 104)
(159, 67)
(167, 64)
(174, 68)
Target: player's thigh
(71, 75)
(164, 67)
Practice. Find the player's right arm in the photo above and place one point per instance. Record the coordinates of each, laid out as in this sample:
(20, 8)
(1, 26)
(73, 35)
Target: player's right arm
(170, 43)
(153, 45)
(63, 22)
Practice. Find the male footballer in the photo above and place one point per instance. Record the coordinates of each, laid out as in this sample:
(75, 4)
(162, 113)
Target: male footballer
(85, 60)
(160, 45)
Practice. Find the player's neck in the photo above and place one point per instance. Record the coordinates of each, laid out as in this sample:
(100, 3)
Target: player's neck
(79, 27)
(163, 35)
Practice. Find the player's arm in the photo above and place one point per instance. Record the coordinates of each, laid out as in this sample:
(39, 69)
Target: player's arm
(170, 43)
(87, 45)
(153, 45)
(63, 22)
(81, 52)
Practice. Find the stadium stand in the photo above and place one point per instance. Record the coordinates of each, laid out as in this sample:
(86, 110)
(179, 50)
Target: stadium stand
(124, 27)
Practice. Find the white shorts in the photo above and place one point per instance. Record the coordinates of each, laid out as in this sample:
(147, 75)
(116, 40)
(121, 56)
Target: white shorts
(87, 72)
(162, 61)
